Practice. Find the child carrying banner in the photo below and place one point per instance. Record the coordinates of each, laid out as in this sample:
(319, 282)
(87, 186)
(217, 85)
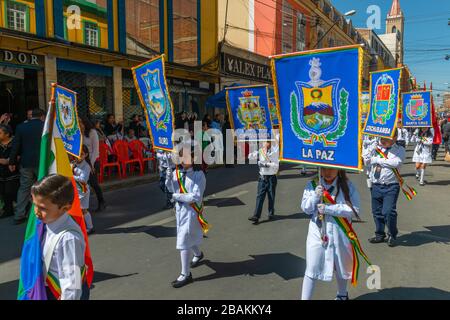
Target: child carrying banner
(422, 153)
(81, 172)
(187, 184)
(332, 245)
(384, 161)
(63, 243)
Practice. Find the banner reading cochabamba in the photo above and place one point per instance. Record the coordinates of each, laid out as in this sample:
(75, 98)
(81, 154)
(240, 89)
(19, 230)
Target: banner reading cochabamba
(318, 99)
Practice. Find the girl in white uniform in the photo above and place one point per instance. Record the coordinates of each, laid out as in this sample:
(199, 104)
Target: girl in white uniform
(328, 248)
(187, 184)
(422, 153)
(81, 172)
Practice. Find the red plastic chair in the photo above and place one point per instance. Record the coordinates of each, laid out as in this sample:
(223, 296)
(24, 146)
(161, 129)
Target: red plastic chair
(138, 148)
(121, 149)
(104, 163)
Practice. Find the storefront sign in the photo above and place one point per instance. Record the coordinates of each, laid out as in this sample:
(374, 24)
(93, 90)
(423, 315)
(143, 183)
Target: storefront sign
(21, 58)
(246, 69)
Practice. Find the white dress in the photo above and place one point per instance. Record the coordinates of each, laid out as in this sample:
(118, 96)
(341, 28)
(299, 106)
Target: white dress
(81, 173)
(422, 153)
(322, 260)
(189, 230)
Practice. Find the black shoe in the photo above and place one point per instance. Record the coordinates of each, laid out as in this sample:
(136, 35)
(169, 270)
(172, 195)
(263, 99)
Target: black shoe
(377, 239)
(392, 242)
(19, 221)
(253, 219)
(182, 283)
(342, 298)
(101, 207)
(271, 217)
(197, 263)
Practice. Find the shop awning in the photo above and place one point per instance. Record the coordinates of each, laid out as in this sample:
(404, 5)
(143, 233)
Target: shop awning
(218, 100)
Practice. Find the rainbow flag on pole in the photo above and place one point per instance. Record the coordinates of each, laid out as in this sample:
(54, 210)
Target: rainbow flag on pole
(53, 160)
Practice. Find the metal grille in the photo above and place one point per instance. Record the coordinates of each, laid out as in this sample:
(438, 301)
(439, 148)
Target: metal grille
(95, 93)
(131, 103)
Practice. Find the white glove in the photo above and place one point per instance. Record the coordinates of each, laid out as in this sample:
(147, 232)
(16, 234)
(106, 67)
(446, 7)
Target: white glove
(319, 192)
(321, 208)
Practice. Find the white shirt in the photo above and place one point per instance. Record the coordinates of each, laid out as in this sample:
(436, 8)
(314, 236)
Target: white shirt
(268, 161)
(68, 256)
(93, 145)
(395, 158)
(403, 135)
(81, 173)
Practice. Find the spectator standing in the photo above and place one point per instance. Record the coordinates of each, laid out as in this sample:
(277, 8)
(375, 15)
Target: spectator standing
(446, 135)
(112, 128)
(137, 126)
(216, 124)
(27, 144)
(9, 180)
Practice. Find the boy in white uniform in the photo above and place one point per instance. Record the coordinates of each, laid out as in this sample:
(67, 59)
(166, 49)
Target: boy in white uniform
(187, 184)
(63, 242)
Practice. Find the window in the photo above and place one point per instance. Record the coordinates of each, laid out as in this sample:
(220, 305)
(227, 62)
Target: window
(17, 16)
(91, 34)
(394, 29)
(287, 29)
(185, 35)
(143, 24)
(301, 32)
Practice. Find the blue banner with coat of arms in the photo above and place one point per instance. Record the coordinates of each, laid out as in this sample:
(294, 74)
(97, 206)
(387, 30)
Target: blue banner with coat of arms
(318, 100)
(384, 103)
(150, 82)
(67, 120)
(417, 109)
(248, 109)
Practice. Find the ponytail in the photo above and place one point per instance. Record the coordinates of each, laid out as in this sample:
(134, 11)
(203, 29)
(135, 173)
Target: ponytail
(342, 184)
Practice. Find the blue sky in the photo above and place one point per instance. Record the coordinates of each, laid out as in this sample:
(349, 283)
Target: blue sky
(426, 28)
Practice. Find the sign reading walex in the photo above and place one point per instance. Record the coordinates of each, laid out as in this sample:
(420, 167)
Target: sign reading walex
(67, 119)
(417, 109)
(249, 112)
(318, 100)
(151, 85)
(384, 103)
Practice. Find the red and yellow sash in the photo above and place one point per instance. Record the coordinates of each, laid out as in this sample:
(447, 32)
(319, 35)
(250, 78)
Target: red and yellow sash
(82, 186)
(347, 228)
(54, 285)
(198, 207)
(263, 154)
(408, 191)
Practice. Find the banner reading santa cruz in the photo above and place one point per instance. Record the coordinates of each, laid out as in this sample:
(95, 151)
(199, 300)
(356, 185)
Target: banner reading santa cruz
(317, 95)
(384, 103)
(417, 109)
(67, 119)
(248, 108)
(151, 85)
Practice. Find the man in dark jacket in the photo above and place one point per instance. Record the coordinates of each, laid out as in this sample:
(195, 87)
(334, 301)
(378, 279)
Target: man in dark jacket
(25, 151)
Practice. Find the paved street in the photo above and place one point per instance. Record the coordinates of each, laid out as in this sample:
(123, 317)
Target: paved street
(135, 257)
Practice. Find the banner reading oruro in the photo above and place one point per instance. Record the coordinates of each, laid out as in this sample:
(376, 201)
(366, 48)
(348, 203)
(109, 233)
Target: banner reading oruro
(67, 119)
(150, 82)
(248, 108)
(318, 100)
(384, 103)
(417, 109)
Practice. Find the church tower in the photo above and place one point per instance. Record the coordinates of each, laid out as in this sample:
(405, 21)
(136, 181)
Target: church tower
(395, 23)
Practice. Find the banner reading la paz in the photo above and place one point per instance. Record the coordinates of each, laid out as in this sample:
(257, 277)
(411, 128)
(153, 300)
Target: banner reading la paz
(67, 119)
(417, 109)
(151, 85)
(248, 108)
(384, 103)
(317, 95)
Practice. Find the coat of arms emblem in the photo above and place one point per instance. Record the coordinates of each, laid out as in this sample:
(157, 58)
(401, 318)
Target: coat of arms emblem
(416, 109)
(250, 113)
(156, 100)
(384, 100)
(67, 119)
(320, 112)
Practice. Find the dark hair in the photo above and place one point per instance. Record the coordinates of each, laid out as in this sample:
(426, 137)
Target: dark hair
(6, 129)
(342, 184)
(37, 113)
(88, 126)
(426, 133)
(58, 189)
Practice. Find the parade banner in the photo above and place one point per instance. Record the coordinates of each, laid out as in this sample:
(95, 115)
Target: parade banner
(151, 85)
(365, 105)
(417, 109)
(384, 103)
(248, 109)
(67, 120)
(273, 111)
(317, 95)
